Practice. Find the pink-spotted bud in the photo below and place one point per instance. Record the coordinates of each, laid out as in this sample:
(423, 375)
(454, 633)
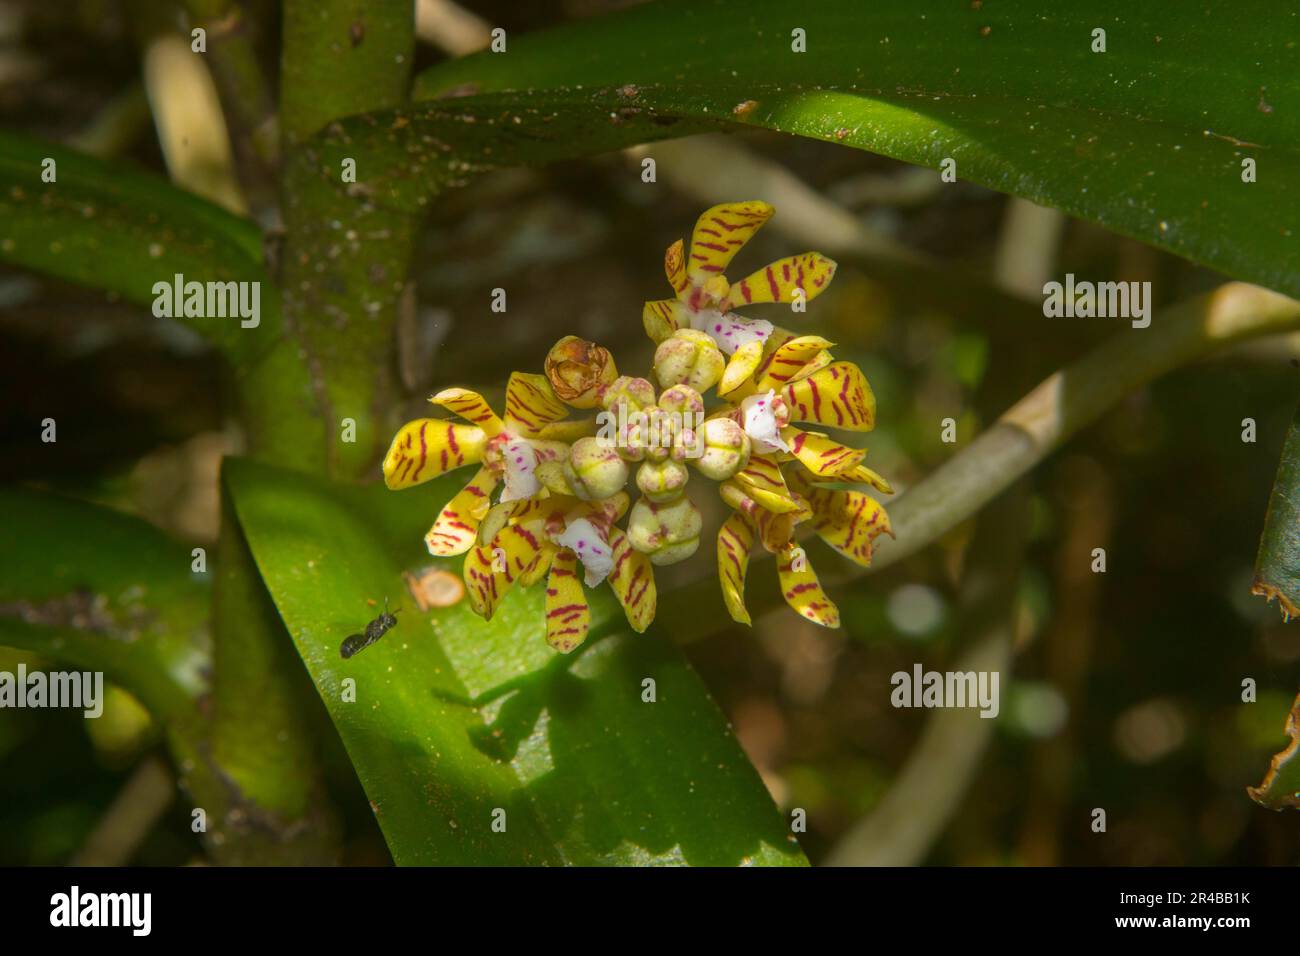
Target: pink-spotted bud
(661, 481)
(594, 469)
(689, 357)
(635, 394)
(665, 532)
(683, 401)
(724, 449)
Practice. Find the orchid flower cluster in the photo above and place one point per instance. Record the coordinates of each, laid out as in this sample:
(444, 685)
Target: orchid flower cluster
(564, 480)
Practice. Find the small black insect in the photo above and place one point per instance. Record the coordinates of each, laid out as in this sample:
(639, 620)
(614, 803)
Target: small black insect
(374, 631)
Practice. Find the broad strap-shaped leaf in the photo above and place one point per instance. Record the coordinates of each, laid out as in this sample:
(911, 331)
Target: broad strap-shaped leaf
(66, 595)
(452, 719)
(1135, 138)
(111, 227)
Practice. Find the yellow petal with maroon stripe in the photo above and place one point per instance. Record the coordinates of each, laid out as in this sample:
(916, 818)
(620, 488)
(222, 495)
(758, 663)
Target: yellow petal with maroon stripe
(675, 267)
(567, 432)
(567, 613)
(662, 318)
(538, 571)
(470, 406)
(429, 447)
(740, 367)
(801, 589)
(821, 455)
(776, 531)
(719, 234)
(531, 405)
(492, 569)
(810, 271)
(735, 539)
(864, 475)
(762, 480)
(774, 342)
(633, 581)
(848, 521)
(795, 358)
(837, 395)
(456, 526)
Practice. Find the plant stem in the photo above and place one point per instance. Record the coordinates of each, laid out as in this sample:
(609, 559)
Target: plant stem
(342, 283)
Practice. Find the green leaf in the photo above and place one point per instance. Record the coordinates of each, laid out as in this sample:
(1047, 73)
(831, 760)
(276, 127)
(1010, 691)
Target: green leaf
(455, 718)
(1277, 564)
(1147, 138)
(103, 591)
(112, 227)
(1280, 788)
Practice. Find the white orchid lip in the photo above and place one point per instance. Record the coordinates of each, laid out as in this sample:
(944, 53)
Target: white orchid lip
(758, 418)
(520, 462)
(588, 543)
(730, 330)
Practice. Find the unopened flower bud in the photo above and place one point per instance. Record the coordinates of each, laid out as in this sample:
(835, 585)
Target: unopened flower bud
(667, 532)
(578, 370)
(634, 393)
(682, 400)
(689, 357)
(661, 481)
(594, 469)
(725, 449)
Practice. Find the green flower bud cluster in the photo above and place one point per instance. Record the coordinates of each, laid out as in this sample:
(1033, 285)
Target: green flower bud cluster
(660, 434)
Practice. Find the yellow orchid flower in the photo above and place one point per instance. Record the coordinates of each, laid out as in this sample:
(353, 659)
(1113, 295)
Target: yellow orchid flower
(555, 535)
(565, 482)
(507, 450)
(705, 299)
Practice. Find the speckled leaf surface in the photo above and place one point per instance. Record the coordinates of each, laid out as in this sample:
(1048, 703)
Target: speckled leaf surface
(67, 593)
(1147, 138)
(112, 227)
(455, 718)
